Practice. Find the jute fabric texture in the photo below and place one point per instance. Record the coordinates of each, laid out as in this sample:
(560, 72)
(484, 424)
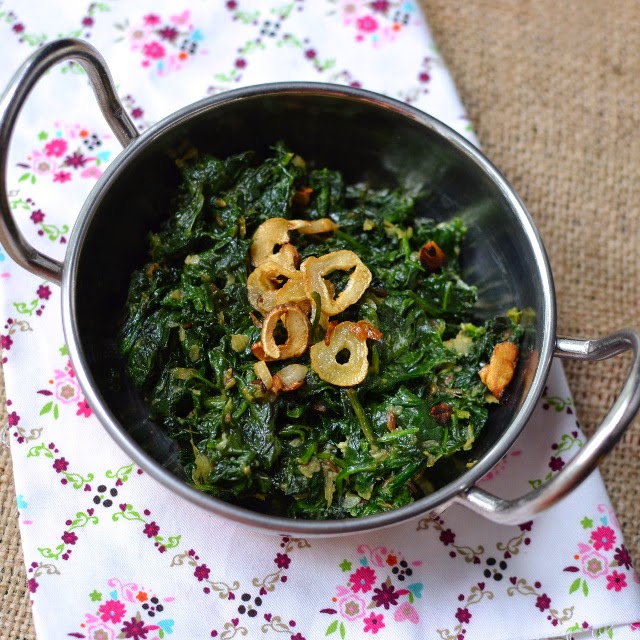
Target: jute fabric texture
(553, 92)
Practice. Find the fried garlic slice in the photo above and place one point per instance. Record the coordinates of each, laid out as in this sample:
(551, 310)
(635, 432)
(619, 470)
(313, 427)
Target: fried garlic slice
(324, 357)
(315, 271)
(270, 234)
(291, 377)
(262, 372)
(274, 232)
(274, 283)
(322, 225)
(296, 323)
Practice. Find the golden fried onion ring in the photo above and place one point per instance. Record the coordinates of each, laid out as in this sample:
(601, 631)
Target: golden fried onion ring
(315, 270)
(275, 231)
(296, 323)
(324, 357)
(271, 233)
(265, 288)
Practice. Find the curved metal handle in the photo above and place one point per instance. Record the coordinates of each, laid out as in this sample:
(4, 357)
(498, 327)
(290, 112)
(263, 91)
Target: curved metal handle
(586, 460)
(10, 104)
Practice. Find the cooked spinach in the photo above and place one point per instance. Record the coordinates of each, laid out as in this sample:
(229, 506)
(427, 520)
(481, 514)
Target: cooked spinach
(320, 451)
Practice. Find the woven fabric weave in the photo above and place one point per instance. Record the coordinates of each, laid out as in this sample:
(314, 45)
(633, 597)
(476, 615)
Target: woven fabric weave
(553, 91)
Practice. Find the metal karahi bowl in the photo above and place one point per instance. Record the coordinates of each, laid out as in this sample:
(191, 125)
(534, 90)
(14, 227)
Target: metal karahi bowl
(369, 138)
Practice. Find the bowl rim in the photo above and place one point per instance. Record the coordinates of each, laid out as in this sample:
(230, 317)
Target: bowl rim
(435, 502)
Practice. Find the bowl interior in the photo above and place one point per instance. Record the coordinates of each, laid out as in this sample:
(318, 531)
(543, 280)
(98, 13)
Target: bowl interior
(366, 137)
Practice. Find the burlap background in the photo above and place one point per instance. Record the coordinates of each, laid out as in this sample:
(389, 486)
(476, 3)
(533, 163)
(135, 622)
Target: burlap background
(553, 90)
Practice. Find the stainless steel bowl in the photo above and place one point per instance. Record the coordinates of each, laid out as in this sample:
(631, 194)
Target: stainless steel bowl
(368, 137)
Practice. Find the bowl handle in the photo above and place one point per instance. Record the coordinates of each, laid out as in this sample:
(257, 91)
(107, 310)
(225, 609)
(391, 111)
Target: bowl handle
(613, 425)
(10, 104)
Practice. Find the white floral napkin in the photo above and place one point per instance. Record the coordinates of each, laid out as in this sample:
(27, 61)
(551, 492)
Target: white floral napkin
(112, 554)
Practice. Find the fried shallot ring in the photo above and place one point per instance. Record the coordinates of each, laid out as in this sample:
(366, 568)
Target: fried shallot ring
(325, 363)
(265, 288)
(296, 323)
(270, 234)
(274, 232)
(315, 270)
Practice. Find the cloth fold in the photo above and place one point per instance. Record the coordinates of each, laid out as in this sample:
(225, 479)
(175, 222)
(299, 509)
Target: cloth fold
(111, 553)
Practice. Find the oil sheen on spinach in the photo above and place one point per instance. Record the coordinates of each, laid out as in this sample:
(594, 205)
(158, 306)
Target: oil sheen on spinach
(320, 451)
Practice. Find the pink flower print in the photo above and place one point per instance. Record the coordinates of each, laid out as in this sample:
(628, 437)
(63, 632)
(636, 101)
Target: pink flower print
(13, 418)
(43, 292)
(349, 7)
(362, 579)
(84, 409)
(151, 19)
(42, 165)
(406, 611)
(463, 615)
(181, 18)
(137, 35)
(135, 629)
(616, 581)
(367, 24)
(37, 216)
(594, 564)
(374, 623)
(33, 585)
(67, 391)
(91, 172)
(6, 342)
(57, 147)
(202, 572)
(153, 50)
(603, 538)
(62, 177)
(352, 607)
(151, 529)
